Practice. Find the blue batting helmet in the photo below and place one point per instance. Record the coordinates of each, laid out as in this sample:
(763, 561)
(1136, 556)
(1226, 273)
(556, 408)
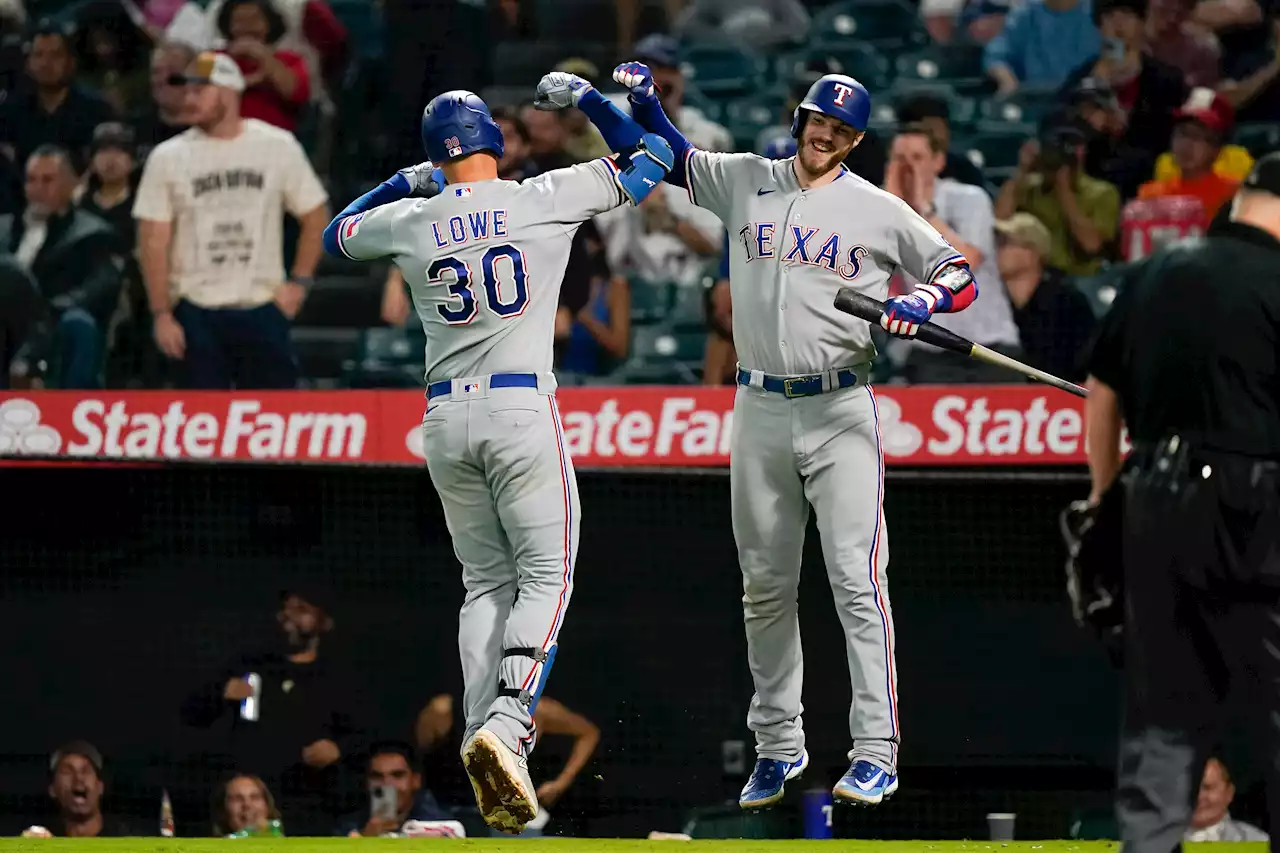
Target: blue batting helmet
(837, 96)
(458, 123)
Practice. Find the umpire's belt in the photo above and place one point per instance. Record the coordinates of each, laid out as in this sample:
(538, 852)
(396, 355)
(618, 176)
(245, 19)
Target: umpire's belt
(805, 386)
(496, 380)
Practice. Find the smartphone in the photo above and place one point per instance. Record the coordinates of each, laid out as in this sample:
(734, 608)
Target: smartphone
(382, 802)
(1113, 49)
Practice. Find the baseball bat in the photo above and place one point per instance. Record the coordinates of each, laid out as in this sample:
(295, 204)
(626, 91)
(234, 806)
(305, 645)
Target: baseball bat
(864, 307)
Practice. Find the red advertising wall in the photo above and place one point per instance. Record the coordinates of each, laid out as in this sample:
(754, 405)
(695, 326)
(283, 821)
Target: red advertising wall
(604, 426)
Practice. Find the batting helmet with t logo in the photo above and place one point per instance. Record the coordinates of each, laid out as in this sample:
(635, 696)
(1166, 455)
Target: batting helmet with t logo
(837, 96)
(458, 123)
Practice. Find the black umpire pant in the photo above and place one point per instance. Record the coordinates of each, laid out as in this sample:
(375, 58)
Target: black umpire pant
(1202, 609)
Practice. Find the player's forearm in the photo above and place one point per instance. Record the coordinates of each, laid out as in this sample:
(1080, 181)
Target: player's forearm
(1007, 199)
(1240, 92)
(620, 131)
(651, 117)
(583, 748)
(1102, 425)
(310, 243)
(153, 260)
(693, 237)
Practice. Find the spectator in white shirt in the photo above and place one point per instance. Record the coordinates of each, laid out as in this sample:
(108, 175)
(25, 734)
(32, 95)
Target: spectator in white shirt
(963, 215)
(210, 206)
(1211, 821)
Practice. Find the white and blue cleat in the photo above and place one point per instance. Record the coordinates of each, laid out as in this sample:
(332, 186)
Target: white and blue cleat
(768, 781)
(865, 784)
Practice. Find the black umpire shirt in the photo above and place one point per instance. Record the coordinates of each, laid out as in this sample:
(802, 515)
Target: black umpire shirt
(1191, 344)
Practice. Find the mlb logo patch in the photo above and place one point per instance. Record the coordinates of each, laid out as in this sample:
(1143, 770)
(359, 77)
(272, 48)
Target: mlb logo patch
(461, 192)
(471, 386)
(352, 226)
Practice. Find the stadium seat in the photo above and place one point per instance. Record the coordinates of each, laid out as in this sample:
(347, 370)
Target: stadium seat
(650, 301)
(883, 23)
(963, 108)
(859, 60)
(660, 354)
(688, 312)
(719, 69)
(363, 21)
(1259, 137)
(1099, 289)
(386, 358)
(757, 111)
(958, 67)
(324, 353)
(1022, 110)
(996, 149)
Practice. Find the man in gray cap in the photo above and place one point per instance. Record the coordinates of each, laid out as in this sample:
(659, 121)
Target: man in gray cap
(76, 788)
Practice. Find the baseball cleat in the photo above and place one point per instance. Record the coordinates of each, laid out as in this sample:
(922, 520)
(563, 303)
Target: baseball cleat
(500, 778)
(865, 785)
(768, 781)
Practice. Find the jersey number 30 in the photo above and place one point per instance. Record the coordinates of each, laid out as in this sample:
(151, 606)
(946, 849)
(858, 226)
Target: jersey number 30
(464, 307)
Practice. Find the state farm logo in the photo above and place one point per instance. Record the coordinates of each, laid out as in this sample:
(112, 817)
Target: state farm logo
(22, 434)
(897, 437)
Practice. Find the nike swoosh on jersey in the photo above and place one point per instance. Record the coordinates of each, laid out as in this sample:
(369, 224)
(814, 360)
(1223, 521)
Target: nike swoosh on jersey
(763, 191)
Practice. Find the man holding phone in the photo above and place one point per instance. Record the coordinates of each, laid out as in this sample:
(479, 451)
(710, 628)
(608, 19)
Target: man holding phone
(396, 797)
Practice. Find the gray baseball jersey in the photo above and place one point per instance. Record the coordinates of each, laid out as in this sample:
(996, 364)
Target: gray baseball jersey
(791, 249)
(484, 262)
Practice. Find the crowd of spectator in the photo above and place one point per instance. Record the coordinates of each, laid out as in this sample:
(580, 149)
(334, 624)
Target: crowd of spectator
(127, 263)
(294, 754)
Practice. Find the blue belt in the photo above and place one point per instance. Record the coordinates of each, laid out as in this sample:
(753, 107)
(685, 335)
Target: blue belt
(801, 386)
(497, 380)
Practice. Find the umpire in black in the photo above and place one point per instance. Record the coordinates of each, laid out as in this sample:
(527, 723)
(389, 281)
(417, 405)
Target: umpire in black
(1189, 359)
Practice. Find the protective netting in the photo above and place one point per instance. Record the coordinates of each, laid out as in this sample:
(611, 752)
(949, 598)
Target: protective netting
(124, 588)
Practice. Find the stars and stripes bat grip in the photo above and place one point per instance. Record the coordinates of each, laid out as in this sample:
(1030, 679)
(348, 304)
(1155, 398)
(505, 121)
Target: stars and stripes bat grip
(864, 307)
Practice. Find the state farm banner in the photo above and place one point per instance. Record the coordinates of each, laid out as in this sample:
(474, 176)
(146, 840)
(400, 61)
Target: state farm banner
(604, 426)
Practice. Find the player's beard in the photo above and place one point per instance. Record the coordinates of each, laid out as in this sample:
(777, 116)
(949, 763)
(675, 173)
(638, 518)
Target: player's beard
(817, 163)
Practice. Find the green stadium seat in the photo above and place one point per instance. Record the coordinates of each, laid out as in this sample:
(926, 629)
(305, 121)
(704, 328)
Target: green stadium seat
(722, 69)
(859, 60)
(363, 20)
(1259, 137)
(688, 313)
(963, 108)
(661, 354)
(1019, 110)
(758, 111)
(650, 301)
(957, 66)
(884, 23)
(387, 358)
(996, 149)
(1099, 289)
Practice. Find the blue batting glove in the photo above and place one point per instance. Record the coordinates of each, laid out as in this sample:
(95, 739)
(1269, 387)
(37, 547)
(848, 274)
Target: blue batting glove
(636, 77)
(903, 315)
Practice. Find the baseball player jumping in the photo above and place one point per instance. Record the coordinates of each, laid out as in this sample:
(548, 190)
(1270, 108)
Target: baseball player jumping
(484, 259)
(805, 429)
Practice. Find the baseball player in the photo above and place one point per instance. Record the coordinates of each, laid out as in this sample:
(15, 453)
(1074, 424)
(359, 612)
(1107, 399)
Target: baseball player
(805, 429)
(484, 259)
